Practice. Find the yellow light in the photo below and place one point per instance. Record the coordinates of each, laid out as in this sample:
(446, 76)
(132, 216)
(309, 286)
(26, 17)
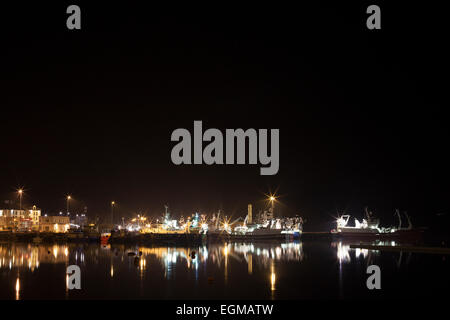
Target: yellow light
(17, 289)
(20, 191)
(113, 203)
(69, 197)
(272, 198)
(272, 281)
(272, 276)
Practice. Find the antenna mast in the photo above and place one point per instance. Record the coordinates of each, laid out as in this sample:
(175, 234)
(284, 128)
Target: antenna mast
(399, 219)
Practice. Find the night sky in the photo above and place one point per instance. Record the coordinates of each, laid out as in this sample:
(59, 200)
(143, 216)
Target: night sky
(361, 112)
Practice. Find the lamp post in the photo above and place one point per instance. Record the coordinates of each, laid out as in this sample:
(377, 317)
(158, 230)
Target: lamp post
(67, 203)
(272, 203)
(20, 191)
(113, 203)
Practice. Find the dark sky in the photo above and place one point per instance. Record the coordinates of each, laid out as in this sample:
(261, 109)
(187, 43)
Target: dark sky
(361, 112)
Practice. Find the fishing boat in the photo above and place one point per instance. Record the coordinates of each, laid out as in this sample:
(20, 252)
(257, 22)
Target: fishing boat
(104, 237)
(265, 228)
(369, 229)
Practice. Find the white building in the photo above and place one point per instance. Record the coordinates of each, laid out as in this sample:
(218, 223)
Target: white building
(34, 214)
(22, 220)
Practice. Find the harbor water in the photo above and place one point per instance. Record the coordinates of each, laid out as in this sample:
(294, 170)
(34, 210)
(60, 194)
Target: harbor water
(309, 269)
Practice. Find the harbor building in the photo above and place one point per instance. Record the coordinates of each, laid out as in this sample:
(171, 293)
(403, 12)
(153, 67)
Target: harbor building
(6, 222)
(19, 220)
(56, 224)
(34, 215)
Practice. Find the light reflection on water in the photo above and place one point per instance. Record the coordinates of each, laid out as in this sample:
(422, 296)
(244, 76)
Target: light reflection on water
(230, 270)
(30, 256)
(345, 254)
(20, 259)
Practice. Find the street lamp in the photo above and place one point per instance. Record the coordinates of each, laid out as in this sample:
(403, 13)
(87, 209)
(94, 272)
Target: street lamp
(68, 199)
(20, 191)
(272, 202)
(113, 203)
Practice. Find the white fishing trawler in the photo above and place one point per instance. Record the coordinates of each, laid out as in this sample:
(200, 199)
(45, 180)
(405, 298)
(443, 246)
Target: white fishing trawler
(370, 228)
(266, 227)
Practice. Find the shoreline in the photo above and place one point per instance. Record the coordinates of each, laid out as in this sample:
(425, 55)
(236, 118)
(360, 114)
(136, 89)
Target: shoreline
(147, 238)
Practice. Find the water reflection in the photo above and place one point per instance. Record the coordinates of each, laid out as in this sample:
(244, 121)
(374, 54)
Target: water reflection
(22, 258)
(17, 289)
(345, 254)
(214, 271)
(31, 256)
(272, 276)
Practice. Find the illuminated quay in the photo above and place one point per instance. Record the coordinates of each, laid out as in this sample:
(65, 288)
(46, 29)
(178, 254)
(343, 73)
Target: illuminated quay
(31, 226)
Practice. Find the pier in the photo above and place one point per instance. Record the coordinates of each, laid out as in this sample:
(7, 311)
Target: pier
(158, 238)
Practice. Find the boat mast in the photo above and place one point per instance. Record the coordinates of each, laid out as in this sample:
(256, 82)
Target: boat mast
(217, 221)
(399, 219)
(166, 216)
(409, 221)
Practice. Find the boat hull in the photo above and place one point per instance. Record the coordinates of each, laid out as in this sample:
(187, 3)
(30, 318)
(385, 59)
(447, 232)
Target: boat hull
(414, 234)
(255, 236)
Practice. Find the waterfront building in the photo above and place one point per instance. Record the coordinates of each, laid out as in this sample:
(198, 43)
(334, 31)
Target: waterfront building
(12, 213)
(6, 222)
(56, 224)
(34, 215)
(19, 220)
